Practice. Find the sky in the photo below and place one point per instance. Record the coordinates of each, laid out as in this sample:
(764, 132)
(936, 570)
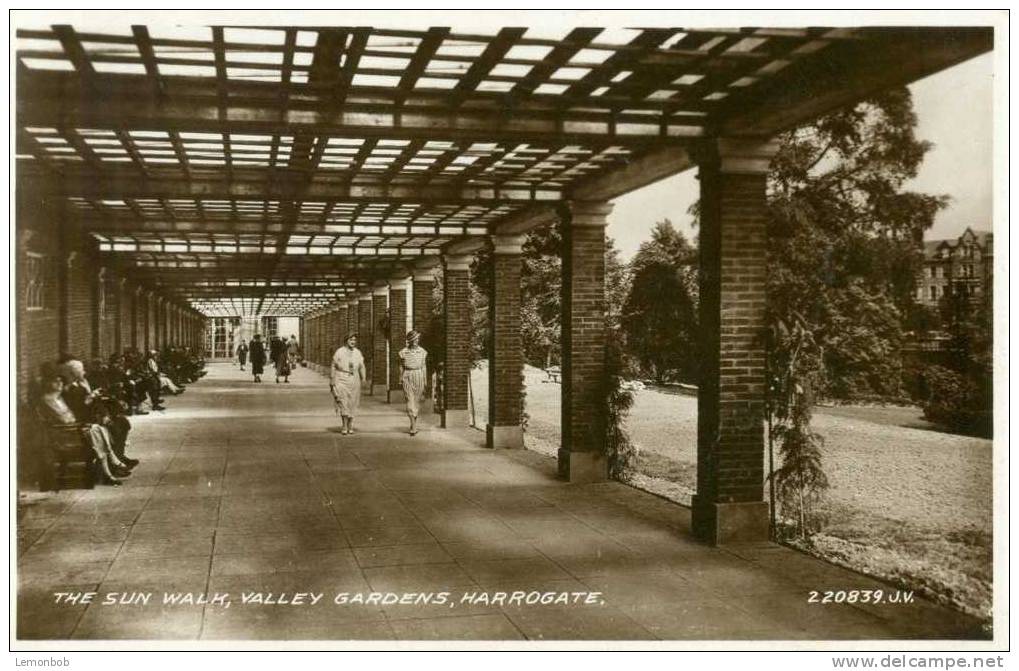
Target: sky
(954, 111)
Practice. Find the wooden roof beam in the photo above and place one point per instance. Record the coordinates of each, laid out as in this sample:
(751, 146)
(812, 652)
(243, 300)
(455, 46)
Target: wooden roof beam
(110, 187)
(848, 74)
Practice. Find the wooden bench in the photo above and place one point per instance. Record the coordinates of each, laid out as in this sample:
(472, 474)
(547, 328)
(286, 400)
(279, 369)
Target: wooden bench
(67, 455)
(552, 374)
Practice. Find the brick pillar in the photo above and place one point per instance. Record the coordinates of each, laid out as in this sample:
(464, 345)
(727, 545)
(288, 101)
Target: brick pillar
(351, 318)
(99, 306)
(336, 333)
(328, 317)
(319, 336)
(311, 336)
(140, 323)
(323, 340)
(422, 315)
(124, 316)
(364, 333)
(147, 340)
(380, 344)
(505, 354)
(156, 303)
(112, 317)
(729, 505)
(582, 454)
(457, 366)
(339, 331)
(166, 330)
(310, 342)
(397, 336)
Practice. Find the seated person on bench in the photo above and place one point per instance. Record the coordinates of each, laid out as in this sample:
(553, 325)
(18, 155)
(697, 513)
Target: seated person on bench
(93, 405)
(54, 409)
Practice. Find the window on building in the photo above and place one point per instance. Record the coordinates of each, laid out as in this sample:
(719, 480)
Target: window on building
(35, 281)
(270, 327)
(934, 293)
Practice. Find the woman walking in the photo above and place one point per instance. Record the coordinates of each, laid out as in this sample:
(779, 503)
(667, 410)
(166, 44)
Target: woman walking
(257, 352)
(242, 353)
(413, 359)
(348, 373)
(281, 360)
(294, 352)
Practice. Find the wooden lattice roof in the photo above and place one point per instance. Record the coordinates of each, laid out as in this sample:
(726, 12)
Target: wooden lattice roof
(270, 159)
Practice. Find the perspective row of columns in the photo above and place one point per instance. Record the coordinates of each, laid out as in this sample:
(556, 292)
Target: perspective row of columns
(729, 504)
(124, 317)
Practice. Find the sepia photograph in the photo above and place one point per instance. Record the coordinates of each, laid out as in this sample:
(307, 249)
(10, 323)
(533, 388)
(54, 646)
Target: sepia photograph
(515, 330)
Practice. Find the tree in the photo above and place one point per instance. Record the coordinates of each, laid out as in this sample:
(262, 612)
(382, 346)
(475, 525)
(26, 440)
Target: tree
(659, 315)
(846, 239)
(960, 394)
(845, 248)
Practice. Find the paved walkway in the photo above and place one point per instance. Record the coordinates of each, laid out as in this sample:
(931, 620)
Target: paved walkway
(248, 488)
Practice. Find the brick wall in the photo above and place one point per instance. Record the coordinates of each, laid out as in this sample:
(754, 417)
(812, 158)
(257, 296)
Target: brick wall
(38, 329)
(457, 309)
(125, 315)
(150, 321)
(583, 339)
(141, 320)
(397, 320)
(730, 464)
(80, 291)
(505, 348)
(110, 316)
(380, 303)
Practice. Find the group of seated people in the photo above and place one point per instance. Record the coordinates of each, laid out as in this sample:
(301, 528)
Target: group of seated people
(98, 398)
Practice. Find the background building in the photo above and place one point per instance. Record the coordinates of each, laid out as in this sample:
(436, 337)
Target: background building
(963, 264)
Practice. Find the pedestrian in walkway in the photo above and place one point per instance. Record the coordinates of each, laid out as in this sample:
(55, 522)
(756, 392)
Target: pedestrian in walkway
(242, 353)
(413, 359)
(348, 372)
(281, 360)
(294, 352)
(257, 357)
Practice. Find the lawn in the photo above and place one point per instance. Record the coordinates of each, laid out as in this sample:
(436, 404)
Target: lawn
(907, 503)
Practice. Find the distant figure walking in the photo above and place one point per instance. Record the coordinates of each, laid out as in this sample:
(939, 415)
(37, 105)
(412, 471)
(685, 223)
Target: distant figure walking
(413, 359)
(347, 374)
(294, 352)
(242, 353)
(257, 357)
(280, 359)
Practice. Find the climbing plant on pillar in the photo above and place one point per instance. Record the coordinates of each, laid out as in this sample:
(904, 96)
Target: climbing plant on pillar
(617, 400)
(794, 364)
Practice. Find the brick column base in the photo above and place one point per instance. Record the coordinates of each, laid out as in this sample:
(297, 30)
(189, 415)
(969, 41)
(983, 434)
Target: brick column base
(729, 523)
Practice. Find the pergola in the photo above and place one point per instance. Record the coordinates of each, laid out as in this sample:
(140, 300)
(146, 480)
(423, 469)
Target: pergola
(326, 172)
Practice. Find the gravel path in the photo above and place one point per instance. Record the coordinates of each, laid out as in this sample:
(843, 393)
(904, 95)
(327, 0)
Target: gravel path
(877, 464)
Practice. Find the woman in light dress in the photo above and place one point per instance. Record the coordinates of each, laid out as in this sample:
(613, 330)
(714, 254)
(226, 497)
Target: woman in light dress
(413, 376)
(348, 373)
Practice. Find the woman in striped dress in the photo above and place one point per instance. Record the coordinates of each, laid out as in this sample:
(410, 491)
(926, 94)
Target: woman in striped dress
(413, 376)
